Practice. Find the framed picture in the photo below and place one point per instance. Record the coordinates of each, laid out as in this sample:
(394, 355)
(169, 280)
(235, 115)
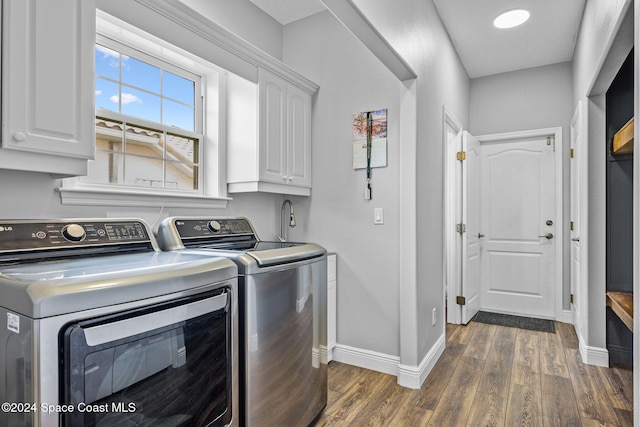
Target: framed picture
(378, 139)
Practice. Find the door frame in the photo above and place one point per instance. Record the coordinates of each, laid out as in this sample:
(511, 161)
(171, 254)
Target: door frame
(452, 213)
(556, 132)
(579, 197)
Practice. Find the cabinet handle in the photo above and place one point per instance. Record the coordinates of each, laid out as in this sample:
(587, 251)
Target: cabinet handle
(19, 136)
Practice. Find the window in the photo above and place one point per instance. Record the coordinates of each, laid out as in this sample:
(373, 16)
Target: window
(147, 128)
(157, 133)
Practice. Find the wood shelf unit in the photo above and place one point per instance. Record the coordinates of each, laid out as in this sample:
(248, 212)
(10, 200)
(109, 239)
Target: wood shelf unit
(623, 139)
(622, 305)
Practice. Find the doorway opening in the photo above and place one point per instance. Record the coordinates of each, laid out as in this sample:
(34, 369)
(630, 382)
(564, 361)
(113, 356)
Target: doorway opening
(619, 118)
(519, 228)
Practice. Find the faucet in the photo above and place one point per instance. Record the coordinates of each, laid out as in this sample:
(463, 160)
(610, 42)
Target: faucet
(292, 220)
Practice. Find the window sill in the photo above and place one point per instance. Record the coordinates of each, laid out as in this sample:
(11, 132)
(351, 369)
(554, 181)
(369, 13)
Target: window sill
(121, 197)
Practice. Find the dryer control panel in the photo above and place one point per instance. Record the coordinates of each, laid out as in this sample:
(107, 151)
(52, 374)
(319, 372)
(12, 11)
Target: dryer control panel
(42, 235)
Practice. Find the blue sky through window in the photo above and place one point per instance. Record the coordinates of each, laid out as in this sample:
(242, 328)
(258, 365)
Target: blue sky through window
(133, 87)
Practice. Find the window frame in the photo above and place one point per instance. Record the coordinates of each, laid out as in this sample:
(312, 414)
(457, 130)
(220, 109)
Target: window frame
(115, 34)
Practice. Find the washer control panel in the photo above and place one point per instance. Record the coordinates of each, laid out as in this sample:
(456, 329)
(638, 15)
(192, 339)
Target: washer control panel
(189, 228)
(42, 235)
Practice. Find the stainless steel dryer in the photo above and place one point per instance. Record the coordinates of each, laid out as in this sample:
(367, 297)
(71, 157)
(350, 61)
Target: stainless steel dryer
(101, 328)
(282, 296)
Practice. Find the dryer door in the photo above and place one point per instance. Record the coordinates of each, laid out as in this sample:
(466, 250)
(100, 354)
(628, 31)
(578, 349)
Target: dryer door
(168, 364)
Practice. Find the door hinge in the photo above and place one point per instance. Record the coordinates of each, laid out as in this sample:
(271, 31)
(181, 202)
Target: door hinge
(551, 140)
(571, 225)
(461, 155)
(571, 153)
(571, 299)
(461, 228)
(461, 300)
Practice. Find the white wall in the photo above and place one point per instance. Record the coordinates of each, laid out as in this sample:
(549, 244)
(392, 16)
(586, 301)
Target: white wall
(600, 21)
(28, 195)
(336, 216)
(245, 20)
(534, 98)
(351, 80)
(598, 55)
(520, 100)
(414, 29)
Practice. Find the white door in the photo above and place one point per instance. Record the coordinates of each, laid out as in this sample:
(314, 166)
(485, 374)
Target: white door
(518, 220)
(470, 230)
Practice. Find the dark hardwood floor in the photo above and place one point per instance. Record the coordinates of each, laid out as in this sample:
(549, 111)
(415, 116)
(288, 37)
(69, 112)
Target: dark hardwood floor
(488, 376)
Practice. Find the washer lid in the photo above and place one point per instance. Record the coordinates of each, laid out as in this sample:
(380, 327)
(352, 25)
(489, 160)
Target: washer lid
(275, 253)
(46, 289)
(262, 261)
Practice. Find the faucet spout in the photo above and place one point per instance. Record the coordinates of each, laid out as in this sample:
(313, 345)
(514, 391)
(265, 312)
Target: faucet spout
(292, 220)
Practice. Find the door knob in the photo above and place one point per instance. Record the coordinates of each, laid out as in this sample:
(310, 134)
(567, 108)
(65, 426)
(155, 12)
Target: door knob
(548, 236)
(480, 235)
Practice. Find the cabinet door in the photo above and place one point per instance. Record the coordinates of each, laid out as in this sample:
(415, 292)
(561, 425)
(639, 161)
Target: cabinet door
(273, 131)
(47, 77)
(299, 137)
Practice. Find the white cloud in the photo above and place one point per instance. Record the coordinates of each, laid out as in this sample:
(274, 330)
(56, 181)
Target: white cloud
(111, 55)
(127, 98)
(98, 92)
(106, 52)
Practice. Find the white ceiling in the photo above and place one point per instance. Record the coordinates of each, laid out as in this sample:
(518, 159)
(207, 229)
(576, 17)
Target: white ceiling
(286, 11)
(548, 37)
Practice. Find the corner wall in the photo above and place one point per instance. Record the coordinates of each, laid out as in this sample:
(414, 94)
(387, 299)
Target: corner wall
(603, 43)
(370, 316)
(414, 29)
(336, 215)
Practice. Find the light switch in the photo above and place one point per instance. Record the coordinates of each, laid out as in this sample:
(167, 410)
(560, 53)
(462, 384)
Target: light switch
(378, 216)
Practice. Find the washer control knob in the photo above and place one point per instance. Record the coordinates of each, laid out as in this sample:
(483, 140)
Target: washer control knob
(73, 233)
(214, 226)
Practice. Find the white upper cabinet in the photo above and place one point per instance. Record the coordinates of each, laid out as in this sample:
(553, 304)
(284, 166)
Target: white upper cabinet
(279, 161)
(48, 109)
(273, 128)
(299, 132)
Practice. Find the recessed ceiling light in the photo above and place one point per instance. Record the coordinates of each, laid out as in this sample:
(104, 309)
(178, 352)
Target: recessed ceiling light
(511, 19)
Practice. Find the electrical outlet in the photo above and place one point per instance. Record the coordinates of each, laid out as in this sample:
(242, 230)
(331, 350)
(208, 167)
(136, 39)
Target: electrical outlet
(433, 317)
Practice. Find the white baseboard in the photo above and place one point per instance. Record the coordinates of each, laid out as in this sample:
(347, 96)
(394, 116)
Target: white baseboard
(367, 359)
(414, 376)
(408, 376)
(597, 356)
(566, 317)
(327, 352)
